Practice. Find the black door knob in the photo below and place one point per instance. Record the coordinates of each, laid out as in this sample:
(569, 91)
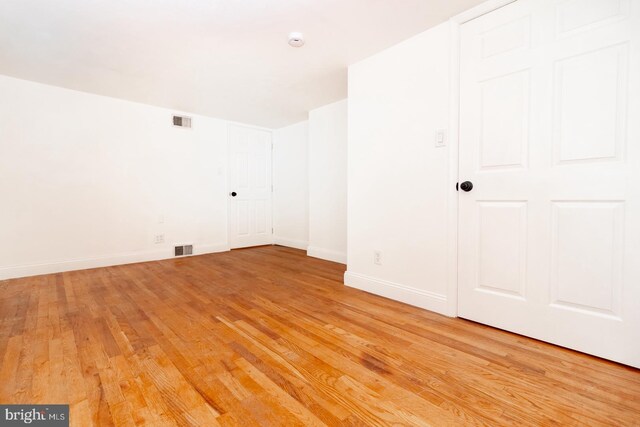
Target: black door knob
(466, 186)
(234, 194)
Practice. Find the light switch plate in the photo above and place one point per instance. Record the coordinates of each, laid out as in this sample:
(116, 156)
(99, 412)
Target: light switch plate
(441, 138)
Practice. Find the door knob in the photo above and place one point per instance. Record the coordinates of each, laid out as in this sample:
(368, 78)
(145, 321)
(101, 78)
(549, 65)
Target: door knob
(466, 186)
(233, 194)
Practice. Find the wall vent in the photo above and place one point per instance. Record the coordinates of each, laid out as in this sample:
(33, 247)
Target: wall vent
(183, 250)
(182, 121)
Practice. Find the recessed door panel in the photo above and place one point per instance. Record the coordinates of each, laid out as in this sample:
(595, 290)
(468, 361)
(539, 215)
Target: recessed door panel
(506, 38)
(590, 123)
(502, 243)
(504, 121)
(576, 15)
(586, 267)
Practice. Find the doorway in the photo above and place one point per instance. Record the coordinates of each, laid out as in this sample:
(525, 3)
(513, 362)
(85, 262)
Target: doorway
(249, 187)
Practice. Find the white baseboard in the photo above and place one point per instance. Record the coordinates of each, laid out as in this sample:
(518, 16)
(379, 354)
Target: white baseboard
(407, 294)
(327, 254)
(290, 243)
(210, 249)
(13, 272)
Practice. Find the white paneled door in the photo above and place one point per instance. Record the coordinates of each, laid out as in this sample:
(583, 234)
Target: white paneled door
(549, 235)
(249, 184)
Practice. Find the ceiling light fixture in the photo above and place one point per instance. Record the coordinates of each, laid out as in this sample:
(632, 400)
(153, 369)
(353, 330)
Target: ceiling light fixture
(296, 39)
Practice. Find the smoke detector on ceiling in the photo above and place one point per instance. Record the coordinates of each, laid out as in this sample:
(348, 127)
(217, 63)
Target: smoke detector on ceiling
(296, 39)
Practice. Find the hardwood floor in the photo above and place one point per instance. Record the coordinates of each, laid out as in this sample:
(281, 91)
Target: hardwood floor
(268, 336)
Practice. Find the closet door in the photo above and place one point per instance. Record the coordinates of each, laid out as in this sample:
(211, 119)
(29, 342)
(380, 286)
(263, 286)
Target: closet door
(550, 140)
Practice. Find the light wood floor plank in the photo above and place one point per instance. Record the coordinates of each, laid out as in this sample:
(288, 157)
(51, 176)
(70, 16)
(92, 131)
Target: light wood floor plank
(268, 336)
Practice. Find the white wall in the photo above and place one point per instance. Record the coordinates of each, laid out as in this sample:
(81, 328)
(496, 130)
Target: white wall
(399, 185)
(328, 182)
(291, 186)
(87, 180)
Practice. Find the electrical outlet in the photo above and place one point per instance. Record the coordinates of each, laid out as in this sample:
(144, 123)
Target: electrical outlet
(159, 238)
(377, 257)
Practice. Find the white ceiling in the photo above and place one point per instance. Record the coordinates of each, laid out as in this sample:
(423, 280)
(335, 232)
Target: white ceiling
(220, 58)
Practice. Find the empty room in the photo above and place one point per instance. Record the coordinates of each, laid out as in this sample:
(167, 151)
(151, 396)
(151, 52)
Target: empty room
(319, 213)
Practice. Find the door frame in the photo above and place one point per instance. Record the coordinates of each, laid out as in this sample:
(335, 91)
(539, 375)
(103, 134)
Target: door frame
(226, 175)
(454, 141)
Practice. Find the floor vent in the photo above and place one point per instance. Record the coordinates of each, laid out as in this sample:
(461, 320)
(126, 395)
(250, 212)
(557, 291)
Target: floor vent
(182, 121)
(183, 250)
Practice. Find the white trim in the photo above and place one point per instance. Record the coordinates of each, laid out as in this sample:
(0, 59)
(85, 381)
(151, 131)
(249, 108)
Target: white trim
(12, 272)
(227, 192)
(479, 10)
(396, 291)
(247, 125)
(452, 199)
(291, 243)
(210, 249)
(454, 142)
(327, 254)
